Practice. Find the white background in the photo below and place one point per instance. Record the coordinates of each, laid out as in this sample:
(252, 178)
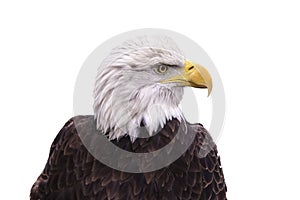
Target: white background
(254, 45)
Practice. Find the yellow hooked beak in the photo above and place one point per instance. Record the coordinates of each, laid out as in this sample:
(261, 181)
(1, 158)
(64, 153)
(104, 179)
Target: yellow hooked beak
(193, 75)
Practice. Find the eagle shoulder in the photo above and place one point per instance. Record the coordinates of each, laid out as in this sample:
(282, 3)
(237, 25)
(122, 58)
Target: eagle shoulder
(71, 172)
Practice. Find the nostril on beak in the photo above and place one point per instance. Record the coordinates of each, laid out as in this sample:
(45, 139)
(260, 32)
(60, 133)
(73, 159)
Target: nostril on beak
(190, 68)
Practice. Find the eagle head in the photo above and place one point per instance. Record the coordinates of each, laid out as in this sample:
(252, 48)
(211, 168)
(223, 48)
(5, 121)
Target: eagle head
(140, 84)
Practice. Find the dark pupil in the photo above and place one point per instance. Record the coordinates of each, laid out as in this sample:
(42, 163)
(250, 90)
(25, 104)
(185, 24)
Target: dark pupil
(162, 68)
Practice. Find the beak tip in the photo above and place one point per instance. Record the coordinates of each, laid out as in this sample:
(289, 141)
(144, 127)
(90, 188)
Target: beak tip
(209, 88)
(208, 92)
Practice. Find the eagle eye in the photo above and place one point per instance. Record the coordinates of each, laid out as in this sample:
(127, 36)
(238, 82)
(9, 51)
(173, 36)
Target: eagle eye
(161, 69)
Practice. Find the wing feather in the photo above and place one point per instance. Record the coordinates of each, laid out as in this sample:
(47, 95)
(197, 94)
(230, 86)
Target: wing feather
(71, 172)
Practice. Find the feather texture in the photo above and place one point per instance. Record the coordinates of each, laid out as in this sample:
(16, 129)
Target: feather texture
(71, 172)
(127, 91)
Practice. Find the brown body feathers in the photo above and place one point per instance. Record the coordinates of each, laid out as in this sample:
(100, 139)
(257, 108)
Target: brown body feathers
(71, 172)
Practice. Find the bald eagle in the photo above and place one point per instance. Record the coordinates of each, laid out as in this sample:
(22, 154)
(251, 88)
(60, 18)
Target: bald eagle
(137, 93)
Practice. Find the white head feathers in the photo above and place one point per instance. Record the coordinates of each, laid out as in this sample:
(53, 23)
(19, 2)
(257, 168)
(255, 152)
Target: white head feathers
(128, 94)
